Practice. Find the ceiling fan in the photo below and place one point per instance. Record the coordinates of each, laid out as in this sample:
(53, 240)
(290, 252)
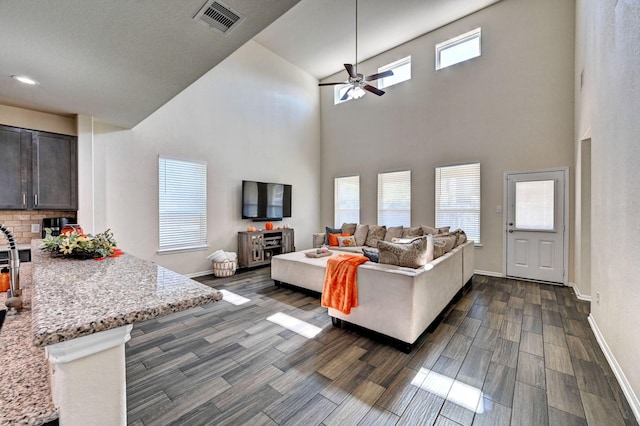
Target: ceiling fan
(359, 81)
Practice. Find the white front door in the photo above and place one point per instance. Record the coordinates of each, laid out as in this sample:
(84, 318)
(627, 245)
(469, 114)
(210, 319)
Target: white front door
(535, 227)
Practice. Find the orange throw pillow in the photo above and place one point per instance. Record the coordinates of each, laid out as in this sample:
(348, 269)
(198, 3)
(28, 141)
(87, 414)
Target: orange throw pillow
(333, 238)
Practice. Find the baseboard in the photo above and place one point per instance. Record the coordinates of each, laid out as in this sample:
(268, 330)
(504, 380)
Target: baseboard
(632, 399)
(488, 273)
(199, 274)
(579, 295)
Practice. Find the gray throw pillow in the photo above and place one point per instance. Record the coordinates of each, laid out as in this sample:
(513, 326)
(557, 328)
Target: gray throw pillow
(371, 254)
(412, 255)
(393, 232)
(330, 231)
(361, 234)
(376, 233)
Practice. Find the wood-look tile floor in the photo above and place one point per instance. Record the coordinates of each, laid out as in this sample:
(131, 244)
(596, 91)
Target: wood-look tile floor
(507, 352)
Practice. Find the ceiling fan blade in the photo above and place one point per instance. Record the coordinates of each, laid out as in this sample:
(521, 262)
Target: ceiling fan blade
(372, 89)
(346, 94)
(351, 70)
(372, 77)
(332, 84)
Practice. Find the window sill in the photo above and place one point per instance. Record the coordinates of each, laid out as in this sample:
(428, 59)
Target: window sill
(182, 249)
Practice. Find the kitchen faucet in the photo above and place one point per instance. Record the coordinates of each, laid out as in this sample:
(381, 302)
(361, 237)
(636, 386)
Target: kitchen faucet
(13, 297)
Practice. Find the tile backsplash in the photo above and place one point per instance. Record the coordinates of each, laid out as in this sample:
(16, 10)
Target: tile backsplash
(20, 221)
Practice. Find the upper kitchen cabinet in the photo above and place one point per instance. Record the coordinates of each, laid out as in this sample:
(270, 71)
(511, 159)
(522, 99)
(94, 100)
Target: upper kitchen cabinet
(42, 172)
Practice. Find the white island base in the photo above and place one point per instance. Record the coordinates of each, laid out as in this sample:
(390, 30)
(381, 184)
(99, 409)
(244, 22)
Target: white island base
(88, 378)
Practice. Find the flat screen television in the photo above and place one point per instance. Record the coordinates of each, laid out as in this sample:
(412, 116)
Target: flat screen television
(265, 201)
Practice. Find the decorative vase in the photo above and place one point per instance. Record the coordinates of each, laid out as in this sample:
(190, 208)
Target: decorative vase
(268, 226)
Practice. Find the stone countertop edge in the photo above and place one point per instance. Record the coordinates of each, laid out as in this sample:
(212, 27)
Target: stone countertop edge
(75, 298)
(25, 394)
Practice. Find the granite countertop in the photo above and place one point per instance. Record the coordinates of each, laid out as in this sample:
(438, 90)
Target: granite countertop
(64, 299)
(74, 298)
(25, 395)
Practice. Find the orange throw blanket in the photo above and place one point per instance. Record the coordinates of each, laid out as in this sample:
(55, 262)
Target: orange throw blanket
(340, 290)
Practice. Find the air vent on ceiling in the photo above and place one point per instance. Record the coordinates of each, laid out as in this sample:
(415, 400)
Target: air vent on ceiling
(219, 16)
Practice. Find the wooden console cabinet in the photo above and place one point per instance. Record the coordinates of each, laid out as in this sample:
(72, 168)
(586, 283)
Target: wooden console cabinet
(258, 247)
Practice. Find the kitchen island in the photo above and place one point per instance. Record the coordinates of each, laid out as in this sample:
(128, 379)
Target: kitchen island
(82, 312)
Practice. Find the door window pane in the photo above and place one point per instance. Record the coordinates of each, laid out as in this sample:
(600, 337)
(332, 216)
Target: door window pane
(535, 205)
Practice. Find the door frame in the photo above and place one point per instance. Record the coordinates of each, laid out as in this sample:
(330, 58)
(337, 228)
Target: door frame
(566, 225)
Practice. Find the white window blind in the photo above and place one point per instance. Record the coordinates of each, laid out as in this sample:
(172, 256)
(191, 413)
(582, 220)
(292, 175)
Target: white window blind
(401, 72)
(182, 204)
(394, 198)
(346, 192)
(458, 198)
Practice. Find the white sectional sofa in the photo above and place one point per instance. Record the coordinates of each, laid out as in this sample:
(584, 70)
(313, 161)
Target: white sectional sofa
(395, 301)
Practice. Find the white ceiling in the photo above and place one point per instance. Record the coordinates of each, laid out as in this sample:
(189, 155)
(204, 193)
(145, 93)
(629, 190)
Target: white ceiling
(120, 60)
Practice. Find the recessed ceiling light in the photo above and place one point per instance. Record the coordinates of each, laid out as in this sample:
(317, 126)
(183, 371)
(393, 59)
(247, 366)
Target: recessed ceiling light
(24, 79)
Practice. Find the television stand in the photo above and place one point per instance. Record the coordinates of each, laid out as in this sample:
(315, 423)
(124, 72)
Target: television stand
(258, 247)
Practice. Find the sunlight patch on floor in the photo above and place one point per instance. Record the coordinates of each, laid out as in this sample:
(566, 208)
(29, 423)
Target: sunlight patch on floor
(302, 328)
(234, 299)
(452, 390)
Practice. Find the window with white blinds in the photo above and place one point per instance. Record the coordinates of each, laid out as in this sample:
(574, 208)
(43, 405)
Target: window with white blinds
(394, 198)
(458, 198)
(346, 192)
(182, 204)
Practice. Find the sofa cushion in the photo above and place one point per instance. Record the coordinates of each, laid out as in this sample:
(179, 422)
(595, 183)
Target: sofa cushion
(349, 241)
(361, 234)
(333, 239)
(393, 232)
(371, 254)
(415, 254)
(443, 229)
(376, 233)
(411, 232)
(328, 231)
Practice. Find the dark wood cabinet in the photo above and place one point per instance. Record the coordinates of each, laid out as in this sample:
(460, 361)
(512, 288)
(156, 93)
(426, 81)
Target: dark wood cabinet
(258, 247)
(39, 170)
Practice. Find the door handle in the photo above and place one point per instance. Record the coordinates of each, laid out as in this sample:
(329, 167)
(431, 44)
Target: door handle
(510, 230)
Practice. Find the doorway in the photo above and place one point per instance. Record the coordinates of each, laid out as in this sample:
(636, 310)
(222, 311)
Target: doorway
(536, 231)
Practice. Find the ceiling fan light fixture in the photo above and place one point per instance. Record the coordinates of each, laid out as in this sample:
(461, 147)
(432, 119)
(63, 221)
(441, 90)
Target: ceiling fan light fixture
(357, 92)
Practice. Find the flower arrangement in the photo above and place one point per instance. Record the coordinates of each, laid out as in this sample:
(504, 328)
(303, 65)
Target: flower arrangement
(80, 246)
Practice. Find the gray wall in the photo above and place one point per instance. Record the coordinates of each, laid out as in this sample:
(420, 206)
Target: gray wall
(608, 55)
(511, 109)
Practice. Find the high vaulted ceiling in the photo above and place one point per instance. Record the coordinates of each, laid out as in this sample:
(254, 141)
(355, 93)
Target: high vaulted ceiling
(120, 60)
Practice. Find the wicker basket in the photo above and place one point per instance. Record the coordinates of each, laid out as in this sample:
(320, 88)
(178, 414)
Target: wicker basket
(225, 268)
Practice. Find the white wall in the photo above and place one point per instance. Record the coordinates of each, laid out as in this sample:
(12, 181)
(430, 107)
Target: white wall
(511, 109)
(254, 116)
(608, 38)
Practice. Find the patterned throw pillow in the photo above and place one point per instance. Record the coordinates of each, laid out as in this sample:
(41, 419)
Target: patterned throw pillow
(349, 228)
(361, 234)
(412, 255)
(415, 231)
(393, 232)
(376, 233)
(438, 248)
(428, 230)
(349, 241)
(462, 236)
